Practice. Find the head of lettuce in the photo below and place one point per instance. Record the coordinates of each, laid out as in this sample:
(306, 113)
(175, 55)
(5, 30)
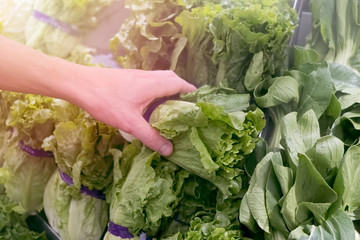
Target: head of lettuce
(212, 130)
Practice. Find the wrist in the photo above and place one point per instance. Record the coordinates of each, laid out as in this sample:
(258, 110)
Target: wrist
(60, 79)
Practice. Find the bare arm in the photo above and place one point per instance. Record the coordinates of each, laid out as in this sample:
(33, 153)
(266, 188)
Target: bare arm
(114, 96)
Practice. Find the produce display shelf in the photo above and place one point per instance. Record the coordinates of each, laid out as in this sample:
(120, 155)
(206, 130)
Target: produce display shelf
(38, 222)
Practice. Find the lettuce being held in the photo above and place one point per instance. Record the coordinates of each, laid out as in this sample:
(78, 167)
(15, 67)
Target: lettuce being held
(212, 134)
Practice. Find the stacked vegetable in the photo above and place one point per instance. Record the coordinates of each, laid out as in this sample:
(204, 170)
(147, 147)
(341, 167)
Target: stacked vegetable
(212, 137)
(307, 186)
(226, 43)
(84, 151)
(230, 175)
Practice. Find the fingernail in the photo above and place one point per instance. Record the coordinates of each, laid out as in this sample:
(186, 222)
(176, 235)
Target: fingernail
(166, 149)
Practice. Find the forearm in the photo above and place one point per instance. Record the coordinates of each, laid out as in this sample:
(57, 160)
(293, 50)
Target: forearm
(116, 97)
(26, 70)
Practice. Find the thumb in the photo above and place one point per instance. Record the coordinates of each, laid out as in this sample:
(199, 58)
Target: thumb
(151, 138)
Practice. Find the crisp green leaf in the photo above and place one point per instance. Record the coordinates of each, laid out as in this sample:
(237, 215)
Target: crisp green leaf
(299, 136)
(317, 92)
(337, 226)
(346, 181)
(310, 196)
(303, 55)
(326, 156)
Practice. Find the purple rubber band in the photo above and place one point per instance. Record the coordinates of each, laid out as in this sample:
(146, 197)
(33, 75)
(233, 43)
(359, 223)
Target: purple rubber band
(119, 231)
(34, 152)
(85, 190)
(66, 178)
(65, 27)
(153, 105)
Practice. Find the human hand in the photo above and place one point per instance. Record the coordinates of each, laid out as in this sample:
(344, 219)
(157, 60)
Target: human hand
(118, 97)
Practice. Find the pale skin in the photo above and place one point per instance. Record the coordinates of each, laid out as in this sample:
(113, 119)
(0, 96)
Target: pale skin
(116, 97)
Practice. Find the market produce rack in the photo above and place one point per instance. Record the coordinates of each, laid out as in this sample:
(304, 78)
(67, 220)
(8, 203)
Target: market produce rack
(38, 222)
(304, 27)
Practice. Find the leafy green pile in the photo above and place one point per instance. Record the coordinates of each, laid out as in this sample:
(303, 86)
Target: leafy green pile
(230, 176)
(309, 85)
(208, 42)
(306, 185)
(236, 44)
(213, 131)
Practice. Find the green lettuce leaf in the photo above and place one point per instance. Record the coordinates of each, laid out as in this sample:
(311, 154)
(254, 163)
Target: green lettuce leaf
(347, 190)
(71, 214)
(25, 177)
(209, 141)
(81, 148)
(147, 194)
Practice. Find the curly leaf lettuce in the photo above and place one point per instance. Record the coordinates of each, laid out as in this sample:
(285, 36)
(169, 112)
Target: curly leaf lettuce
(150, 37)
(233, 44)
(208, 140)
(81, 148)
(33, 117)
(146, 194)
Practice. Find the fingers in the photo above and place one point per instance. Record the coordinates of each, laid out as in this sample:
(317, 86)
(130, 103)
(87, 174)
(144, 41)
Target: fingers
(173, 84)
(151, 137)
